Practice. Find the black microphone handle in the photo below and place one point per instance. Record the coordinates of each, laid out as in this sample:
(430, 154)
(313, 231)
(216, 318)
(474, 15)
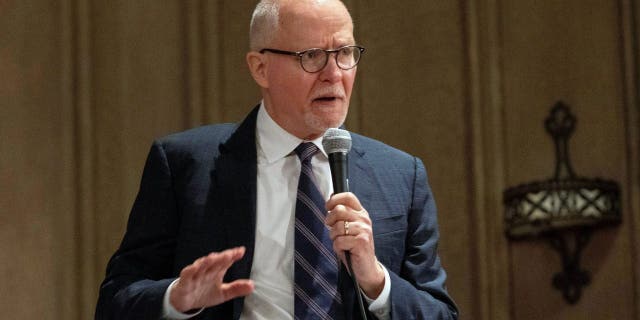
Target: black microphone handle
(339, 172)
(340, 180)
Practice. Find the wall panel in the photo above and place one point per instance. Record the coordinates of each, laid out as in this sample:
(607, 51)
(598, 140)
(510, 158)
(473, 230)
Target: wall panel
(36, 165)
(485, 146)
(630, 13)
(566, 51)
(411, 96)
(138, 75)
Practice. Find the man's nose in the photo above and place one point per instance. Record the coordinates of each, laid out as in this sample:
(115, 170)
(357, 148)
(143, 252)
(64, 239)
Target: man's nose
(331, 72)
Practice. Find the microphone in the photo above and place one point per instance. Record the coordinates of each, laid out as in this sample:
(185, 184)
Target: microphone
(337, 143)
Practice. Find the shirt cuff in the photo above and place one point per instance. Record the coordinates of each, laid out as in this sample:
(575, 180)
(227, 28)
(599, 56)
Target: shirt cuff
(169, 312)
(380, 307)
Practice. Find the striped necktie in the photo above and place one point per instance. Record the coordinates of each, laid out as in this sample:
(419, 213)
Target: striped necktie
(316, 265)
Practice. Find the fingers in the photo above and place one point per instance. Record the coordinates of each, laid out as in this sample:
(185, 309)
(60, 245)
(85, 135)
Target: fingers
(236, 289)
(345, 207)
(217, 264)
(211, 267)
(200, 283)
(351, 229)
(345, 198)
(344, 228)
(349, 223)
(359, 237)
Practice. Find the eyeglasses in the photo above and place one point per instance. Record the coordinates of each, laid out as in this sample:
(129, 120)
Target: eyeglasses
(314, 60)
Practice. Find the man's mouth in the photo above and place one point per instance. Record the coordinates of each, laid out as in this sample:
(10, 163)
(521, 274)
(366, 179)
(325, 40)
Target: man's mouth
(325, 99)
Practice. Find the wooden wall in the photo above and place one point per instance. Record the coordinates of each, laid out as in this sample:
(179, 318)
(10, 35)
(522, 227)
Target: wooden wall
(85, 86)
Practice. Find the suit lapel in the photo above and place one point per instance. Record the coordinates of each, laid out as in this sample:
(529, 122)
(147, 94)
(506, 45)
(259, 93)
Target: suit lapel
(235, 175)
(366, 183)
(360, 175)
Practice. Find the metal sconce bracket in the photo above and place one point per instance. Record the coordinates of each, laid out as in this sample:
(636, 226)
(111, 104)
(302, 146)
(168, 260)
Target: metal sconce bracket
(572, 278)
(564, 209)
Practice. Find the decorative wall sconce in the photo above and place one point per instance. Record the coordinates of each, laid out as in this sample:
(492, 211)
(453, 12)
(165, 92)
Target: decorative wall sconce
(564, 209)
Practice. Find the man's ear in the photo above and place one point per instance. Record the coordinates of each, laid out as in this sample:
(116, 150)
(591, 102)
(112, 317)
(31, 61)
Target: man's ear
(258, 67)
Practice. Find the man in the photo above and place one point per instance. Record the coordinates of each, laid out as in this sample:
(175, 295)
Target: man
(214, 231)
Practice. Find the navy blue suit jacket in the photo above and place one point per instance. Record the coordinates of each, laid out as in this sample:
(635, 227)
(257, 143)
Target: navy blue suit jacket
(198, 195)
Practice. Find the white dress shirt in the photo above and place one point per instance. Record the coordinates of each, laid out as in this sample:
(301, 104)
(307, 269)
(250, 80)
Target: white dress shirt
(277, 184)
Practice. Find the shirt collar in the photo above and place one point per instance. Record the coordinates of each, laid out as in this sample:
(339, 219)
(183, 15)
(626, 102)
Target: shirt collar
(275, 143)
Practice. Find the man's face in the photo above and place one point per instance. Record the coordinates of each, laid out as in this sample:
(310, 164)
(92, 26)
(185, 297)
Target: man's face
(306, 104)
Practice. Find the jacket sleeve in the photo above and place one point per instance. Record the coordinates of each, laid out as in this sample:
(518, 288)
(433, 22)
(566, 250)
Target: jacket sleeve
(418, 291)
(140, 271)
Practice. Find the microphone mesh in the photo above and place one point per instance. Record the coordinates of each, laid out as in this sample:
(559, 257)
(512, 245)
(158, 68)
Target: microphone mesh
(336, 140)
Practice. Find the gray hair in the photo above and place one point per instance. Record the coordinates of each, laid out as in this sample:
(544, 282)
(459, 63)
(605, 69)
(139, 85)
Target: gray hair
(264, 24)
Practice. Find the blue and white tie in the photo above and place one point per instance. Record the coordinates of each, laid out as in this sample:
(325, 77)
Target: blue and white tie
(316, 265)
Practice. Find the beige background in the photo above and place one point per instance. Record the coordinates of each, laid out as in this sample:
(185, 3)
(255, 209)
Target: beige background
(85, 86)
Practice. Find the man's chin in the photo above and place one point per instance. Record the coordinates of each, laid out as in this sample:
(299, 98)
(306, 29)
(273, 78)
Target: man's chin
(320, 128)
(328, 118)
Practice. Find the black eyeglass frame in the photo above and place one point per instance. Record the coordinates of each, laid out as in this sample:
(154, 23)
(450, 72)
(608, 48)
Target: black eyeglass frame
(299, 54)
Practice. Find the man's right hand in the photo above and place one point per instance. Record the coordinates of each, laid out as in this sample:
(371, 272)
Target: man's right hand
(200, 284)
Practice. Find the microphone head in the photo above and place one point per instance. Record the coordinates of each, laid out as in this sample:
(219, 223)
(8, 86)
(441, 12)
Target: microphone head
(336, 141)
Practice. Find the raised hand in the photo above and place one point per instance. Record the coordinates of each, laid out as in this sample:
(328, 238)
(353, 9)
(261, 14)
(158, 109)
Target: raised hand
(200, 284)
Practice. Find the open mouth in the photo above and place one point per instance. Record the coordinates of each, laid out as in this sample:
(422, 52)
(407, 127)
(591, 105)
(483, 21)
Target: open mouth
(325, 99)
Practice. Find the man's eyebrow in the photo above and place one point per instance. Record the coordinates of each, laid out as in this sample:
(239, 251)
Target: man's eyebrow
(345, 43)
